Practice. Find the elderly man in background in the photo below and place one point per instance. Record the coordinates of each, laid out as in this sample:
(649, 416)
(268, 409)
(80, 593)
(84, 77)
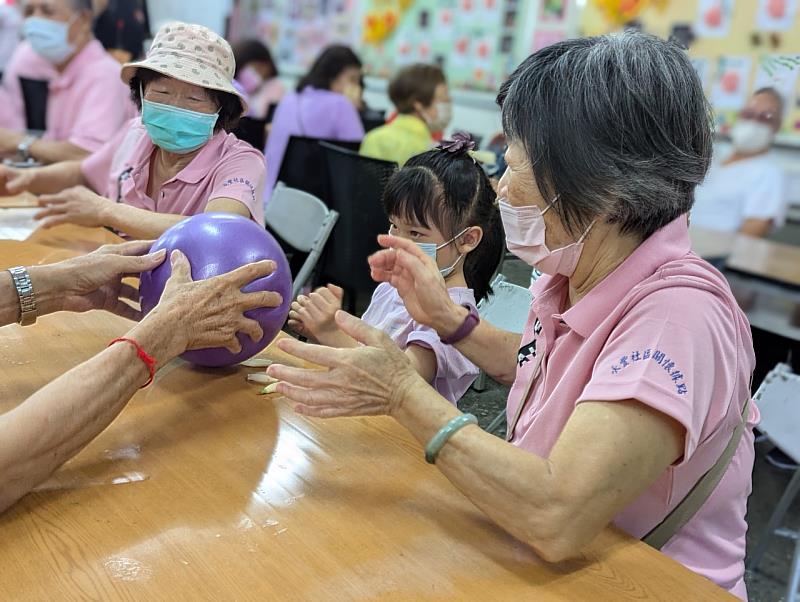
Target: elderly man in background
(87, 104)
(745, 190)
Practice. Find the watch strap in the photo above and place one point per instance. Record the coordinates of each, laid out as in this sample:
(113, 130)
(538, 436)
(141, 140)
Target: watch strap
(24, 147)
(27, 297)
(467, 326)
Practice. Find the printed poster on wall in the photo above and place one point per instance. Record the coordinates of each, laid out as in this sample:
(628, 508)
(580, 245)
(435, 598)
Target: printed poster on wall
(779, 72)
(713, 18)
(730, 89)
(552, 11)
(776, 15)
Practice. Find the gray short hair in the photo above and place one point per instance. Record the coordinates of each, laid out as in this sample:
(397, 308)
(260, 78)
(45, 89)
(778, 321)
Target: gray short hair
(617, 126)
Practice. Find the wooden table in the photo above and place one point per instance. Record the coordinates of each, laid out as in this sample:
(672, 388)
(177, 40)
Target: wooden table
(203, 490)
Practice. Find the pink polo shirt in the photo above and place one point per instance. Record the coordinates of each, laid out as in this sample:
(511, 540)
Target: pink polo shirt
(665, 330)
(225, 167)
(87, 103)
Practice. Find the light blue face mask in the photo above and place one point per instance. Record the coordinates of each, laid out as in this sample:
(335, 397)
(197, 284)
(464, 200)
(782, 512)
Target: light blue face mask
(49, 38)
(430, 248)
(177, 130)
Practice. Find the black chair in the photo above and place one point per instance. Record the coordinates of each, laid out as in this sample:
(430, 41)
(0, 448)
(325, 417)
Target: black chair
(304, 167)
(253, 131)
(356, 190)
(34, 94)
(271, 111)
(372, 118)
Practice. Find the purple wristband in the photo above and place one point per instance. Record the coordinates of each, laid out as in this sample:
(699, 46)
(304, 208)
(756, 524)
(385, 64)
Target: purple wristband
(467, 326)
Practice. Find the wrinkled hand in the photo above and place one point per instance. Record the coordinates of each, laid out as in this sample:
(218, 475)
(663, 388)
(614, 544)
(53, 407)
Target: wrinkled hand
(417, 280)
(209, 313)
(372, 379)
(313, 314)
(14, 181)
(94, 281)
(76, 205)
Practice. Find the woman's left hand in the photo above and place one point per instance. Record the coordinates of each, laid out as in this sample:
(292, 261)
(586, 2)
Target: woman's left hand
(372, 379)
(76, 205)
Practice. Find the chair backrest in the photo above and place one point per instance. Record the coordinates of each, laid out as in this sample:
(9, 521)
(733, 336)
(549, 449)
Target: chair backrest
(302, 221)
(778, 400)
(304, 166)
(372, 118)
(270, 112)
(253, 131)
(295, 216)
(356, 190)
(507, 307)
(34, 95)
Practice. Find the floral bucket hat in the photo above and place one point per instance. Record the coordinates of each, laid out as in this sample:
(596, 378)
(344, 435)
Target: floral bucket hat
(193, 54)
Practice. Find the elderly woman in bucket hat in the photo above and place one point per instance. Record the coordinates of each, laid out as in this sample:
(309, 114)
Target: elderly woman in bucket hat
(176, 159)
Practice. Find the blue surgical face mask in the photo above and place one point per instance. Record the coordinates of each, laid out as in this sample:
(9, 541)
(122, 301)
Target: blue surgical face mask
(430, 248)
(177, 130)
(49, 38)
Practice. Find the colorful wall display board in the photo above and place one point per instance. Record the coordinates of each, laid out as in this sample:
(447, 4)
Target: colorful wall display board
(477, 42)
(296, 30)
(738, 46)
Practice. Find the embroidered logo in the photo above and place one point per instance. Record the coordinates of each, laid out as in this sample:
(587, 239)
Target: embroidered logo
(660, 358)
(528, 352)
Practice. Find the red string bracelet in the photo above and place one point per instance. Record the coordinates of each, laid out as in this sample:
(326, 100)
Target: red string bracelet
(148, 360)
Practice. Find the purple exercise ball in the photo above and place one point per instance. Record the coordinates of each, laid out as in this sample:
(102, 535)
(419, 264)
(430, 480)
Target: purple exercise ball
(217, 243)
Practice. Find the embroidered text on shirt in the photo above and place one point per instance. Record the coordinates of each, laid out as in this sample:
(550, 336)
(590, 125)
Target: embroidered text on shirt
(660, 358)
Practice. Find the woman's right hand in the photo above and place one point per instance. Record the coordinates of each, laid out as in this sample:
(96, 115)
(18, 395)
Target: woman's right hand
(14, 181)
(418, 282)
(209, 313)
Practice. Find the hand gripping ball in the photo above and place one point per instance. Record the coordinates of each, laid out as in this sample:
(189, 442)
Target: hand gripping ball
(217, 243)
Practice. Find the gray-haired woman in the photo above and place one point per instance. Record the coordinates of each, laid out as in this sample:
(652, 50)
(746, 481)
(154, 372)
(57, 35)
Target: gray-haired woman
(631, 381)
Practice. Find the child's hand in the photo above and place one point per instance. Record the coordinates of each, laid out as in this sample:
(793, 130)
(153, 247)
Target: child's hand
(312, 315)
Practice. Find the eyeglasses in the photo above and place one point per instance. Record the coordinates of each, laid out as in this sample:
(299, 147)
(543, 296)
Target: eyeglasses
(765, 117)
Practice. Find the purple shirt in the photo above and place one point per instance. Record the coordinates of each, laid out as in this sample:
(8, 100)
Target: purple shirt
(313, 113)
(454, 372)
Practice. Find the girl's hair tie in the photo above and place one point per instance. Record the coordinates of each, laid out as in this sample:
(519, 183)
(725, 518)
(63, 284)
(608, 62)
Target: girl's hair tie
(461, 143)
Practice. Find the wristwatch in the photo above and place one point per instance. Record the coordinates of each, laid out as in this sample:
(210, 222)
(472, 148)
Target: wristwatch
(27, 298)
(467, 326)
(23, 148)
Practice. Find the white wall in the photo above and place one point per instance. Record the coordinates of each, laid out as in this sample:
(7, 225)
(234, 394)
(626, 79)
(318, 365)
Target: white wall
(211, 13)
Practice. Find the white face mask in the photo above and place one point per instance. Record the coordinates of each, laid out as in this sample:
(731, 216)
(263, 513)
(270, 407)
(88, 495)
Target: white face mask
(750, 136)
(430, 248)
(444, 114)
